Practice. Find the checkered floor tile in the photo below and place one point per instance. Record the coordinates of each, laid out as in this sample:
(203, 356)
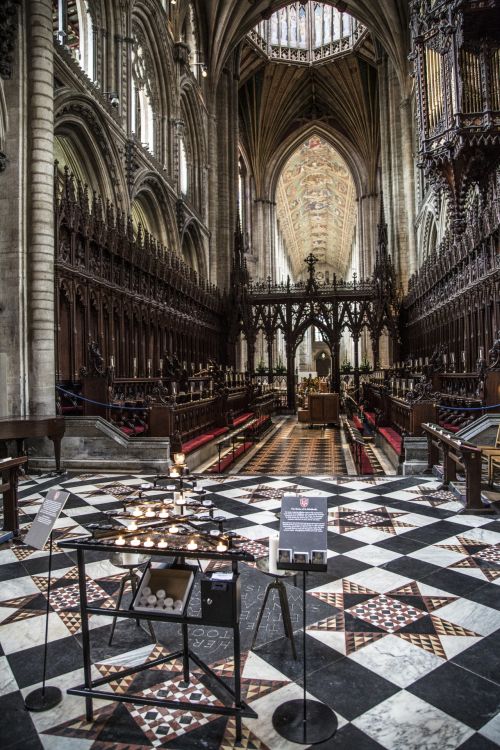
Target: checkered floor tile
(402, 636)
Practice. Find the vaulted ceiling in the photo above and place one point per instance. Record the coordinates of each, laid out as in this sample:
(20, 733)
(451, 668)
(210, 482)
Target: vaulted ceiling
(283, 106)
(316, 207)
(226, 22)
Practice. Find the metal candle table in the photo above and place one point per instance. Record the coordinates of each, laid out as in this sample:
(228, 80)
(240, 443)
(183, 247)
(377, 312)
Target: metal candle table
(93, 688)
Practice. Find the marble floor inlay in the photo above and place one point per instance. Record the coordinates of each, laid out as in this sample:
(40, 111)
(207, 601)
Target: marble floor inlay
(402, 638)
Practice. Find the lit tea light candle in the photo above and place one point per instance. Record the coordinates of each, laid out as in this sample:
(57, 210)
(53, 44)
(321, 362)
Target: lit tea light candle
(120, 541)
(149, 542)
(146, 486)
(173, 529)
(135, 541)
(192, 545)
(163, 513)
(221, 547)
(132, 526)
(174, 472)
(150, 513)
(162, 544)
(137, 512)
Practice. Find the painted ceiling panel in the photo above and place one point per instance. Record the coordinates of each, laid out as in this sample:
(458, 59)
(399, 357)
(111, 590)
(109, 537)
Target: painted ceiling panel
(316, 207)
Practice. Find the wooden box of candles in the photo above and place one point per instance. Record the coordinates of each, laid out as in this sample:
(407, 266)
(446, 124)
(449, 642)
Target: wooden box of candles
(164, 589)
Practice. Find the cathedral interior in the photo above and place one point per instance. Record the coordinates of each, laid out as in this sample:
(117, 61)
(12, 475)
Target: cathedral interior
(250, 362)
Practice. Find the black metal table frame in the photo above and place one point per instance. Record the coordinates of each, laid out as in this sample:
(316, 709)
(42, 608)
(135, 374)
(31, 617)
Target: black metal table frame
(90, 688)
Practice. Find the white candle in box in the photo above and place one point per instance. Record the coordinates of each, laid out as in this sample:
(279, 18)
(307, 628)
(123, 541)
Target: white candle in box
(273, 553)
(160, 594)
(169, 601)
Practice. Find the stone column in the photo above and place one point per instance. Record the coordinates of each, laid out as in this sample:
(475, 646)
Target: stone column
(263, 242)
(40, 213)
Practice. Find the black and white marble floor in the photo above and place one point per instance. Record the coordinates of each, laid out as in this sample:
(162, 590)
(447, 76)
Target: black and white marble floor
(403, 632)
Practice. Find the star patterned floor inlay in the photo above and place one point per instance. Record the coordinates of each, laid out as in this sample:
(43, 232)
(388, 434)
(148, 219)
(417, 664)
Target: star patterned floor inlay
(402, 636)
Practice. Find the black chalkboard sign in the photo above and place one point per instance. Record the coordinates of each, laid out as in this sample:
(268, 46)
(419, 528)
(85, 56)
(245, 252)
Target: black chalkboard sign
(303, 541)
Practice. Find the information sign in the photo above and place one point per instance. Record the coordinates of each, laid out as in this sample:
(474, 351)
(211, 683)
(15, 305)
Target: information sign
(303, 540)
(45, 519)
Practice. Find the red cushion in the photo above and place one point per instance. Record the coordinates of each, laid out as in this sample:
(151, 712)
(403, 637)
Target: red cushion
(393, 438)
(242, 418)
(450, 427)
(220, 431)
(140, 429)
(366, 466)
(127, 430)
(370, 417)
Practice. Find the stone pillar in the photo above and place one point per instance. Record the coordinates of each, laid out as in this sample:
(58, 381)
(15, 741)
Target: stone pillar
(367, 233)
(13, 137)
(264, 226)
(40, 214)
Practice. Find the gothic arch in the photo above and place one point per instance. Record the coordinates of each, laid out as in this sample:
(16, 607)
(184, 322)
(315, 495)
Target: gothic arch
(290, 145)
(89, 146)
(149, 193)
(193, 249)
(160, 70)
(195, 143)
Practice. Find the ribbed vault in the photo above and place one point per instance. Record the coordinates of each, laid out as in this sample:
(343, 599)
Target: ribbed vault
(341, 97)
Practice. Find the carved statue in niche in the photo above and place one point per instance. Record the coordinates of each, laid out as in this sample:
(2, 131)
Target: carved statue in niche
(494, 353)
(436, 361)
(95, 360)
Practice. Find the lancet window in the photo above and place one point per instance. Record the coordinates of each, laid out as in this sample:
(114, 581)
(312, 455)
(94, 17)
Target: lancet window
(73, 27)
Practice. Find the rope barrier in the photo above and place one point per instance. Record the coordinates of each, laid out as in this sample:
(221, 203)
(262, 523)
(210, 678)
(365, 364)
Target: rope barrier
(99, 403)
(469, 408)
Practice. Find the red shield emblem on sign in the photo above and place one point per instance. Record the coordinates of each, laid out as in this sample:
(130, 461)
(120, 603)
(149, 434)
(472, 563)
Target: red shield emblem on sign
(304, 502)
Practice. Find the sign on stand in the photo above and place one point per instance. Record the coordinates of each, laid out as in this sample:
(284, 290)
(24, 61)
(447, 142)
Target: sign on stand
(45, 519)
(303, 527)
